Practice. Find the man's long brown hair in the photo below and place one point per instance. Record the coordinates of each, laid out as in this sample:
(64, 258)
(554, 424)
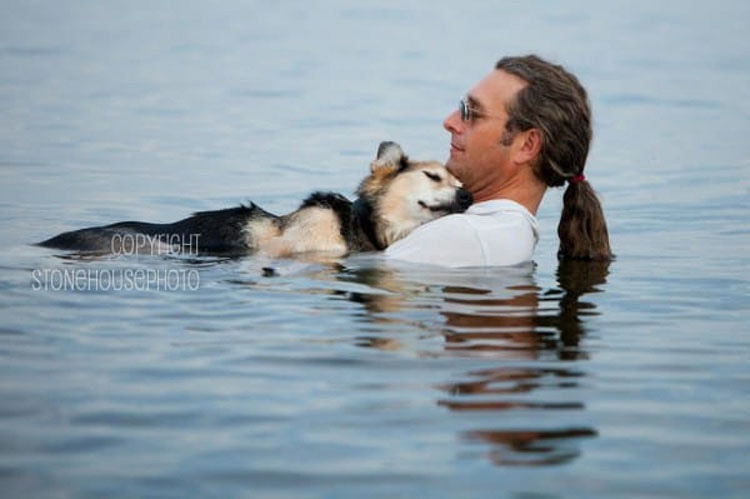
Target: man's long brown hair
(555, 103)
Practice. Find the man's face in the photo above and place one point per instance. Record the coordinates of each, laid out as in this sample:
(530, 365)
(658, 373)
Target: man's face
(477, 156)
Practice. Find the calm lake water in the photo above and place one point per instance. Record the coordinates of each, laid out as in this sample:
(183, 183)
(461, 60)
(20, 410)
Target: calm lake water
(357, 377)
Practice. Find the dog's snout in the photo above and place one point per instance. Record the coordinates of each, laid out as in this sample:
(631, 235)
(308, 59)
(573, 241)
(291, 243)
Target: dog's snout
(464, 198)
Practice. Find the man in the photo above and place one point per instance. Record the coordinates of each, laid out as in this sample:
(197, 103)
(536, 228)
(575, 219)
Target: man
(524, 127)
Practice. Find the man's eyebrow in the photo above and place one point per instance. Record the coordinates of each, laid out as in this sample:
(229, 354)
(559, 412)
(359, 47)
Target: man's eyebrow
(474, 103)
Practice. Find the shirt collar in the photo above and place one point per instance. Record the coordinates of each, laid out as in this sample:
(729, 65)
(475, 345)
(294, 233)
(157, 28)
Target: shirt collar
(495, 205)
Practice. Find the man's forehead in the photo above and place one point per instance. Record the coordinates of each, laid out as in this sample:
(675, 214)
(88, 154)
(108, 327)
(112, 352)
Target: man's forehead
(495, 90)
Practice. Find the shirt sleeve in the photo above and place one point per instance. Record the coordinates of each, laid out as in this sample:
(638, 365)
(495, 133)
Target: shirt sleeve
(449, 241)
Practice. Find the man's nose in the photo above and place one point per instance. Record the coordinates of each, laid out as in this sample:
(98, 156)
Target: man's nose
(452, 122)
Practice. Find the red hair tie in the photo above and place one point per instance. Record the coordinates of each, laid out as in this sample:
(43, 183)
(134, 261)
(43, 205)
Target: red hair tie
(578, 178)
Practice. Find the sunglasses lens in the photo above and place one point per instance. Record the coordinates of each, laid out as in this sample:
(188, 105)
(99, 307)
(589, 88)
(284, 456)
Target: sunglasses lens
(463, 110)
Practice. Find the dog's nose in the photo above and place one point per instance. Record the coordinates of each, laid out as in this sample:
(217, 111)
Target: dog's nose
(464, 198)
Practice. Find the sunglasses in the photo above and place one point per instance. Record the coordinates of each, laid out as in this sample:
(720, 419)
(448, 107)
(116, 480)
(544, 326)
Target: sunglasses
(469, 114)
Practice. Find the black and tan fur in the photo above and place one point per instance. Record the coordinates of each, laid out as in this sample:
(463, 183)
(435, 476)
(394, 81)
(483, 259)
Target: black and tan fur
(398, 196)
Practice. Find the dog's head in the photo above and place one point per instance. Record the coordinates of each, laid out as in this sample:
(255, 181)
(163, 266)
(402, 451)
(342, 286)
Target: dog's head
(405, 194)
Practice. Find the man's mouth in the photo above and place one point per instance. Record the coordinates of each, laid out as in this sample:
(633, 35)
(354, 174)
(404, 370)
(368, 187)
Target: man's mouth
(454, 147)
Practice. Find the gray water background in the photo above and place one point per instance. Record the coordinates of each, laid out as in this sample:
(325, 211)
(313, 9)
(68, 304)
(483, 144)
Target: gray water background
(361, 378)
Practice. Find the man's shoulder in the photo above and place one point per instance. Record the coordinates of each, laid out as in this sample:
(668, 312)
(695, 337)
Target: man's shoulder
(452, 222)
(451, 227)
(450, 240)
(452, 219)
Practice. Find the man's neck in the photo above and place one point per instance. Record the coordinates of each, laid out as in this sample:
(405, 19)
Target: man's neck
(527, 193)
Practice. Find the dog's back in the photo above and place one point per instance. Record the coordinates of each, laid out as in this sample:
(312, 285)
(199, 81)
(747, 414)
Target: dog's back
(220, 231)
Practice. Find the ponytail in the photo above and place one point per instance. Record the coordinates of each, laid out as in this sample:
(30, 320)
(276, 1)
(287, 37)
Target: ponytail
(582, 229)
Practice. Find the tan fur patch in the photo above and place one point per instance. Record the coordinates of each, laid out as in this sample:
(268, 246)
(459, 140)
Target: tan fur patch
(310, 229)
(259, 232)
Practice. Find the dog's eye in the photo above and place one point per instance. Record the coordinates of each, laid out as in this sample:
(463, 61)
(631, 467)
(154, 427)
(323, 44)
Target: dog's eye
(432, 176)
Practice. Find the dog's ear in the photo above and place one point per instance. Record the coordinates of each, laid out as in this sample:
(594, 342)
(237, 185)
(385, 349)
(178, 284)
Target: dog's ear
(390, 152)
(390, 155)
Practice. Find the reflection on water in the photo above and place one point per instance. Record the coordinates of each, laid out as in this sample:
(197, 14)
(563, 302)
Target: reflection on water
(501, 315)
(542, 447)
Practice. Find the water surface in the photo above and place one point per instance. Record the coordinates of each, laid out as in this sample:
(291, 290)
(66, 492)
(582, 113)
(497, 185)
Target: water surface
(357, 376)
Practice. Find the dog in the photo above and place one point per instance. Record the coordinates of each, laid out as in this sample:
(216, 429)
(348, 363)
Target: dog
(396, 197)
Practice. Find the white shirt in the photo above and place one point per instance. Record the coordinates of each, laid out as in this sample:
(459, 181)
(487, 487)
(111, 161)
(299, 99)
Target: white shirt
(495, 232)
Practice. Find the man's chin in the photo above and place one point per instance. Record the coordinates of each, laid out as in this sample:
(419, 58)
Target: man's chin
(454, 167)
(450, 164)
